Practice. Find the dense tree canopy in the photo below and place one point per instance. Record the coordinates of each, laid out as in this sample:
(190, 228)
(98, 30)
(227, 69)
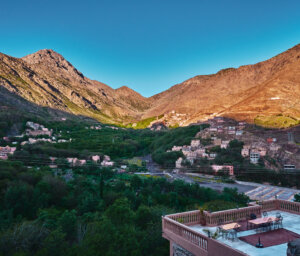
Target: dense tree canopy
(97, 213)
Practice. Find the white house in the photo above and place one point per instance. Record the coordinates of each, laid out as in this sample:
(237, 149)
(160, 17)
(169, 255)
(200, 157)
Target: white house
(178, 162)
(96, 158)
(195, 143)
(254, 157)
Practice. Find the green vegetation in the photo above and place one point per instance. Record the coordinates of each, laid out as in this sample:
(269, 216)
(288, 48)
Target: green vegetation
(118, 143)
(42, 214)
(297, 198)
(261, 175)
(230, 155)
(177, 136)
(279, 121)
(143, 123)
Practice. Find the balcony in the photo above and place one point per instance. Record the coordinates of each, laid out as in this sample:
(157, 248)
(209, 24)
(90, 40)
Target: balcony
(192, 231)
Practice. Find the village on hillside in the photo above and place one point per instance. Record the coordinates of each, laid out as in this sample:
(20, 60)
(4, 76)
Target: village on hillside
(35, 133)
(276, 150)
(273, 149)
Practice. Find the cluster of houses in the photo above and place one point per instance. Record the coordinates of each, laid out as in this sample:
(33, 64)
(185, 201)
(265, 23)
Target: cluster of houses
(74, 161)
(254, 151)
(94, 127)
(196, 151)
(256, 145)
(218, 125)
(6, 151)
(99, 127)
(37, 130)
(193, 151)
(33, 130)
(220, 133)
(50, 140)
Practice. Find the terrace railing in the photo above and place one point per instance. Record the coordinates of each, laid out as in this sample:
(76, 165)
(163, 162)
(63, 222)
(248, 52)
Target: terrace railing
(204, 246)
(187, 218)
(287, 206)
(227, 216)
(176, 226)
(269, 205)
(185, 233)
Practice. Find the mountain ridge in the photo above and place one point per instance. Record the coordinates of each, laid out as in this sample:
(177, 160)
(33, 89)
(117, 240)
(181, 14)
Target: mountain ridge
(270, 87)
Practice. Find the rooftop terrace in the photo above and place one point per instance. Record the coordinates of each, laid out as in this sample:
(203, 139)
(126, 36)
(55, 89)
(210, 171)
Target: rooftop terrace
(189, 230)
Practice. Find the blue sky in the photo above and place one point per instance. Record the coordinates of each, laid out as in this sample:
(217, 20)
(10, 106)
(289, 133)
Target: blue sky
(150, 45)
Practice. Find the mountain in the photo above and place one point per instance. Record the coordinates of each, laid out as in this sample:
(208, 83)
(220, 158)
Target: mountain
(47, 79)
(267, 93)
(268, 88)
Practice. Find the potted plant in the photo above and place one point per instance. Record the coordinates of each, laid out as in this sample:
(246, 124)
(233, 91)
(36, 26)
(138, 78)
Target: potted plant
(202, 217)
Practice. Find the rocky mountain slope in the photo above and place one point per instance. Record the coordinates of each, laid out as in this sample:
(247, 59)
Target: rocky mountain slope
(267, 92)
(268, 88)
(47, 79)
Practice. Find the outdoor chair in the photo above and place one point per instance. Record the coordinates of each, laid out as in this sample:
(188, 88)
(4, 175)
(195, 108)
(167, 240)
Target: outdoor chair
(224, 234)
(252, 216)
(248, 223)
(278, 215)
(220, 231)
(278, 223)
(232, 235)
(270, 224)
(236, 228)
(265, 214)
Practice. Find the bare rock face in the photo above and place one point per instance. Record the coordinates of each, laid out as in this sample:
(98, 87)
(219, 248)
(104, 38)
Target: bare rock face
(253, 92)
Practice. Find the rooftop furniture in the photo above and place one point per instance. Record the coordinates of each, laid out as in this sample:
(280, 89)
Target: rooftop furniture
(269, 224)
(183, 228)
(223, 233)
(265, 214)
(237, 227)
(263, 224)
(259, 244)
(263, 220)
(278, 223)
(232, 235)
(230, 226)
(252, 216)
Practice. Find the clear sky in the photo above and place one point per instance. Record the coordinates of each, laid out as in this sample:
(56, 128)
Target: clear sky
(150, 45)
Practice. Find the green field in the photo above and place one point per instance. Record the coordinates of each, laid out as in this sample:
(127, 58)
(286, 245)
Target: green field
(279, 121)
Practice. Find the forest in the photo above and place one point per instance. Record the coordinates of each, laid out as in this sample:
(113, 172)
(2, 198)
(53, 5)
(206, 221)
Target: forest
(97, 212)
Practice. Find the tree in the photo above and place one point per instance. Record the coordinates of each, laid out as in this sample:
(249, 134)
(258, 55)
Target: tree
(119, 212)
(136, 182)
(55, 244)
(68, 224)
(297, 198)
(144, 216)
